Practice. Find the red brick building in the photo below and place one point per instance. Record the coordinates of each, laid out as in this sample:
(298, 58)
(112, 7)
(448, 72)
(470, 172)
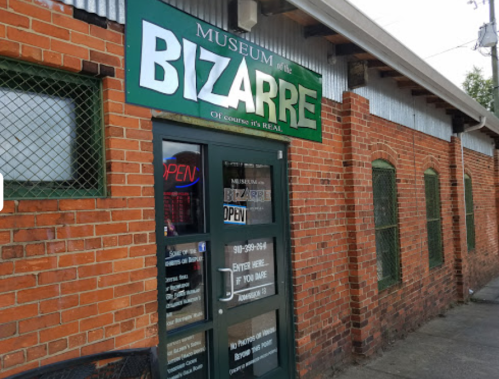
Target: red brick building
(380, 226)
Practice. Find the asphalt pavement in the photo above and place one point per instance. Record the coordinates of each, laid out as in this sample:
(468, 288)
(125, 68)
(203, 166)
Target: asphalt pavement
(462, 344)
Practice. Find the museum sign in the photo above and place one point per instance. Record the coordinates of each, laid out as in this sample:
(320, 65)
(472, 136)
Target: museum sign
(180, 64)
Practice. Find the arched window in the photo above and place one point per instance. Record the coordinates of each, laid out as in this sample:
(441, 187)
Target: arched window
(386, 225)
(433, 220)
(470, 217)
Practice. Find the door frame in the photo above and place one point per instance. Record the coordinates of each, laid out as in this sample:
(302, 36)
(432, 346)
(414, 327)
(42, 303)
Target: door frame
(188, 133)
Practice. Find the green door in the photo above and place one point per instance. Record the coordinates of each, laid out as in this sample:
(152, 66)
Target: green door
(223, 257)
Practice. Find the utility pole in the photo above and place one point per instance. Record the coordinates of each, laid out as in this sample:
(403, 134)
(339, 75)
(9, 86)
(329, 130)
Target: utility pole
(495, 73)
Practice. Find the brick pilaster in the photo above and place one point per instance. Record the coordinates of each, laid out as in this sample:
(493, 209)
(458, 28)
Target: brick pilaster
(459, 220)
(496, 185)
(360, 224)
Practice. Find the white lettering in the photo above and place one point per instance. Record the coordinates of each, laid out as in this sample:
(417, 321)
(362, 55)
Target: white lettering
(201, 34)
(267, 60)
(243, 49)
(160, 48)
(151, 57)
(236, 94)
(233, 44)
(286, 104)
(263, 97)
(218, 42)
(190, 77)
(220, 64)
(304, 122)
(257, 55)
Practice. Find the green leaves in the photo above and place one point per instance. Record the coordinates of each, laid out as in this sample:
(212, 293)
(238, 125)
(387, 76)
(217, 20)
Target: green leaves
(479, 88)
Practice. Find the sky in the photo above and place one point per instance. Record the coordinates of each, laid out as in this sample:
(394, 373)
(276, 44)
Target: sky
(433, 29)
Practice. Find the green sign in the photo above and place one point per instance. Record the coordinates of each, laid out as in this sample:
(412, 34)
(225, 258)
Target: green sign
(177, 63)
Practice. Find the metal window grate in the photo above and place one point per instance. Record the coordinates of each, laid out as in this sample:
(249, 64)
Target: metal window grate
(470, 216)
(51, 134)
(385, 220)
(139, 363)
(433, 221)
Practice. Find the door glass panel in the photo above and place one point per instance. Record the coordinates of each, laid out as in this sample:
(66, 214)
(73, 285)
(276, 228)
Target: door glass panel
(183, 187)
(252, 262)
(247, 193)
(188, 358)
(185, 284)
(253, 347)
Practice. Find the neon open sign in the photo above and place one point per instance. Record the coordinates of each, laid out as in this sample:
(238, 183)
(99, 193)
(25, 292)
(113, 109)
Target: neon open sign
(181, 173)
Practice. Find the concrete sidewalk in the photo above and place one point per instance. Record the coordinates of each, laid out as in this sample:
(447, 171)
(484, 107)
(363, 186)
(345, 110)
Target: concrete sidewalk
(463, 344)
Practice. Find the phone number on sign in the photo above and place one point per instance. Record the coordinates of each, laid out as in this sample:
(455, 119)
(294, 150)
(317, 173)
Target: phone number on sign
(239, 249)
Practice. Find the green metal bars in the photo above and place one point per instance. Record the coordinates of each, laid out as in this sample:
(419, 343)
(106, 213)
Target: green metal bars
(51, 133)
(386, 225)
(470, 216)
(433, 220)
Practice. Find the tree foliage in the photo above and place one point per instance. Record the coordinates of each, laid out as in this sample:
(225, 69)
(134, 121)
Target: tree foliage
(479, 88)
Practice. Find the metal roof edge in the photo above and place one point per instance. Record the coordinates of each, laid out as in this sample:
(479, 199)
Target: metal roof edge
(349, 21)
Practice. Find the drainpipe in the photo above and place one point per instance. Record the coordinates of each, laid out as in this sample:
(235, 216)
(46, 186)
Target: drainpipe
(478, 126)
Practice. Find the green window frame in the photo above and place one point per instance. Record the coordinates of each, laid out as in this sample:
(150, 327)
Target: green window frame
(51, 133)
(470, 215)
(433, 217)
(386, 223)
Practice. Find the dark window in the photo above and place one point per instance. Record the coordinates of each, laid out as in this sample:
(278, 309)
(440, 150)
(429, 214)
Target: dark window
(247, 193)
(51, 134)
(433, 221)
(183, 186)
(385, 220)
(470, 217)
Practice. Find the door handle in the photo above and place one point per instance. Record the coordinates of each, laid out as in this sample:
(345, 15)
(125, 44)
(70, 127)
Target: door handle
(231, 293)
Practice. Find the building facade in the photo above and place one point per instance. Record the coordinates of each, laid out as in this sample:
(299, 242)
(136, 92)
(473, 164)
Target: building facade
(239, 251)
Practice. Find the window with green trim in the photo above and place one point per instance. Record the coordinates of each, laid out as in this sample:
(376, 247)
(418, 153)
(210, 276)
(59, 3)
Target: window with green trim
(51, 133)
(386, 224)
(470, 216)
(433, 220)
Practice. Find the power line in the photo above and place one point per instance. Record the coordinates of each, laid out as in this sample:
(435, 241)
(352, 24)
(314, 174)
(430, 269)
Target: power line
(474, 3)
(452, 48)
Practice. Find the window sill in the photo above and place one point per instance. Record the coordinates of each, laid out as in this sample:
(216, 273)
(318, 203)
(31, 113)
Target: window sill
(436, 265)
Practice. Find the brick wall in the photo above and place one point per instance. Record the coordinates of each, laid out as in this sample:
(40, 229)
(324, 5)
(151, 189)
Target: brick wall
(422, 292)
(360, 224)
(79, 276)
(319, 248)
(483, 261)
(364, 319)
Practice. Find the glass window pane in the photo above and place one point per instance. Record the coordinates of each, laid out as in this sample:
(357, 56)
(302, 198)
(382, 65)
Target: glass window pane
(37, 136)
(470, 222)
(188, 358)
(385, 221)
(434, 242)
(468, 195)
(253, 347)
(433, 219)
(247, 193)
(470, 228)
(386, 240)
(183, 188)
(254, 271)
(384, 197)
(185, 284)
(431, 188)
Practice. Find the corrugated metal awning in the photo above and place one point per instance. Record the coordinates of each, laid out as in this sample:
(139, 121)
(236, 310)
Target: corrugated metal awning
(348, 21)
(113, 10)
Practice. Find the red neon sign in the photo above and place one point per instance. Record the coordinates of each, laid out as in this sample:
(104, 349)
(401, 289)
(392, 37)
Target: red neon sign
(183, 173)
